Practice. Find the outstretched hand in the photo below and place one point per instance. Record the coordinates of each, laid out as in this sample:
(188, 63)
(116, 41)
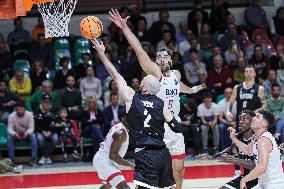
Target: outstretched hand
(197, 88)
(99, 46)
(115, 17)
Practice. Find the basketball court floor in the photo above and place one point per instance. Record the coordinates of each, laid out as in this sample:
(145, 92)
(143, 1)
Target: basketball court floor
(198, 174)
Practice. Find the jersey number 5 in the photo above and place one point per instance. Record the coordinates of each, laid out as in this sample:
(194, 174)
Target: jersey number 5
(170, 105)
(148, 117)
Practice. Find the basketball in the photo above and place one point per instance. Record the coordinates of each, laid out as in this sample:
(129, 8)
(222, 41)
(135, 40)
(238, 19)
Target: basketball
(91, 27)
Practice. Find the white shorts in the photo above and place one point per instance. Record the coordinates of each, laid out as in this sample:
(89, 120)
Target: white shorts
(175, 143)
(108, 171)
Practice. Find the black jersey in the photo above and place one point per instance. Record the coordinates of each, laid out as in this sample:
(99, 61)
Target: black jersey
(242, 155)
(146, 120)
(247, 99)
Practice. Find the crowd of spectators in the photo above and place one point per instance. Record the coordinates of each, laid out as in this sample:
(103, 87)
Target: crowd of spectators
(208, 49)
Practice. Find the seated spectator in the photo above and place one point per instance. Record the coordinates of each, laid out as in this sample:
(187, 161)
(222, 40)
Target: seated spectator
(110, 46)
(66, 132)
(21, 127)
(208, 114)
(181, 35)
(91, 86)
(45, 131)
(239, 72)
(38, 75)
(230, 19)
(112, 113)
(6, 63)
(19, 37)
(63, 73)
(34, 101)
(20, 85)
(156, 29)
(275, 104)
(267, 84)
(257, 41)
(232, 54)
(189, 125)
(275, 58)
(219, 75)
(197, 22)
(218, 16)
(260, 63)
(194, 44)
(71, 99)
(207, 87)
(81, 68)
(39, 30)
(43, 51)
(177, 64)
(206, 38)
(141, 29)
(192, 67)
(185, 44)
(171, 46)
(278, 21)
(280, 76)
(167, 36)
(197, 6)
(7, 102)
(112, 88)
(224, 135)
(135, 85)
(231, 35)
(255, 16)
(92, 122)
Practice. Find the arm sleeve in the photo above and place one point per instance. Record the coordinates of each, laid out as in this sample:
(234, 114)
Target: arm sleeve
(175, 126)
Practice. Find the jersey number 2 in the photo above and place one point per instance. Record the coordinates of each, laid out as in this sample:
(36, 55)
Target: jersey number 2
(148, 117)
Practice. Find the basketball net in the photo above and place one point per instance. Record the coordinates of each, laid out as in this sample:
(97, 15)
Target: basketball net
(56, 16)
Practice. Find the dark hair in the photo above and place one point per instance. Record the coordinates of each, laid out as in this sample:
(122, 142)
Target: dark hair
(3, 81)
(16, 19)
(269, 118)
(105, 35)
(63, 59)
(20, 104)
(249, 66)
(279, 10)
(112, 94)
(86, 54)
(275, 85)
(164, 49)
(256, 46)
(249, 112)
(193, 50)
(178, 54)
(63, 109)
(207, 95)
(110, 83)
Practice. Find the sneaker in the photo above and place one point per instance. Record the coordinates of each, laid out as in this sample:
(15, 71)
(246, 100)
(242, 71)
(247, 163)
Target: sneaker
(48, 160)
(33, 163)
(204, 151)
(216, 152)
(75, 154)
(18, 169)
(41, 160)
(237, 173)
(65, 157)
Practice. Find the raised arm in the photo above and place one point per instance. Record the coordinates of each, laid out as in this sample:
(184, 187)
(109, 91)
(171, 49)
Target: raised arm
(229, 114)
(144, 60)
(124, 91)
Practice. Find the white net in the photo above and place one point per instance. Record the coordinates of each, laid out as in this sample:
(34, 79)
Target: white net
(56, 16)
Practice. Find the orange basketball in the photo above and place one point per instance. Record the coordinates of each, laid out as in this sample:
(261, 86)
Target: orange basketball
(91, 27)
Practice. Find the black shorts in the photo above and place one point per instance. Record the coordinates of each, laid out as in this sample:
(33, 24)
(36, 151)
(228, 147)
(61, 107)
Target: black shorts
(153, 168)
(235, 184)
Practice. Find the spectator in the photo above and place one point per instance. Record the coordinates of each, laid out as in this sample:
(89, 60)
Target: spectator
(141, 29)
(257, 41)
(112, 88)
(45, 131)
(239, 72)
(7, 102)
(181, 35)
(156, 29)
(21, 127)
(197, 6)
(232, 54)
(91, 86)
(71, 99)
(218, 16)
(92, 122)
(278, 21)
(171, 46)
(197, 22)
(34, 101)
(177, 64)
(192, 67)
(43, 51)
(19, 37)
(275, 58)
(206, 39)
(208, 113)
(66, 132)
(207, 87)
(110, 45)
(112, 113)
(39, 30)
(275, 105)
(82, 68)
(231, 35)
(219, 75)
(280, 76)
(184, 45)
(255, 16)
(167, 37)
(230, 19)
(20, 85)
(260, 63)
(62, 74)
(135, 85)
(38, 75)
(223, 125)
(6, 63)
(194, 44)
(267, 84)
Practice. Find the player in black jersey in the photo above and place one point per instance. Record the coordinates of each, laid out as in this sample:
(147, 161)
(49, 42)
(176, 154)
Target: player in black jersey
(247, 162)
(146, 115)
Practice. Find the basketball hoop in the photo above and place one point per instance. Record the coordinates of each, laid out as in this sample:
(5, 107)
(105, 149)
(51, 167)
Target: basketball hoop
(56, 16)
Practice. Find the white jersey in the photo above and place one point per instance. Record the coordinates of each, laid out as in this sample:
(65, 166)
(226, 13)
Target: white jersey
(169, 93)
(105, 147)
(274, 172)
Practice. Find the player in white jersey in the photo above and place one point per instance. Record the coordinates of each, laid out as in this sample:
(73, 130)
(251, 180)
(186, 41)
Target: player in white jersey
(110, 154)
(266, 154)
(169, 91)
